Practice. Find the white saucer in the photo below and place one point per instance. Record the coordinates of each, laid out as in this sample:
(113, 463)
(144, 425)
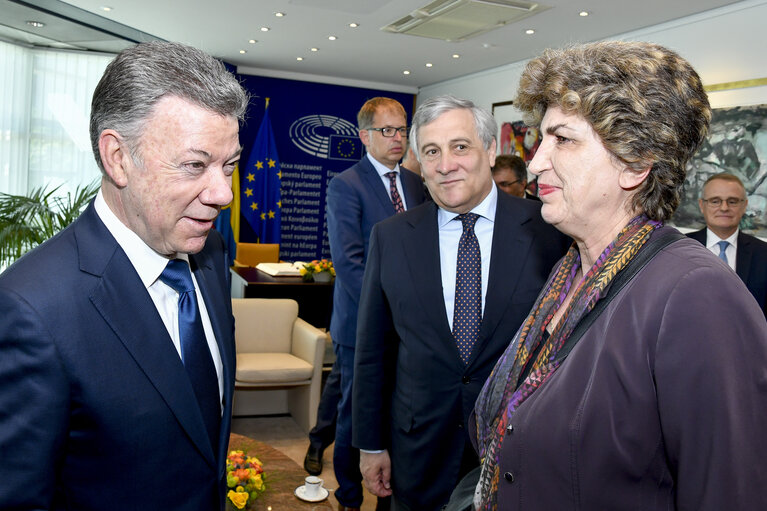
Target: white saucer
(300, 493)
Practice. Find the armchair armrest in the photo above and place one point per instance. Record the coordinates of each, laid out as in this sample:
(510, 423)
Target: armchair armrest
(308, 342)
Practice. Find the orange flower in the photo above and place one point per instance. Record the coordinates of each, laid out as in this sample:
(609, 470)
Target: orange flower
(242, 474)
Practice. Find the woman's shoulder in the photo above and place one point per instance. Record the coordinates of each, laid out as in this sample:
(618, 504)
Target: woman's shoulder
(684, 254)
(688, 274)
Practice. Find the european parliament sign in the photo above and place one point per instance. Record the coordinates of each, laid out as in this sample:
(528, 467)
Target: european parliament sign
(315, 130)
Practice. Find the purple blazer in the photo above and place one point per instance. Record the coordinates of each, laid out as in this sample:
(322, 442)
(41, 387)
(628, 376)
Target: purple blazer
(662, 404)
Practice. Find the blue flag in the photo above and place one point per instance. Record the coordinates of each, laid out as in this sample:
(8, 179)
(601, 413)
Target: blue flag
(260, 185)
(344, 147)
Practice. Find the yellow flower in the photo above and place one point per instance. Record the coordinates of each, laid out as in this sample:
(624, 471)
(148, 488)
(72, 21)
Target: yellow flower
(258, 482)
(303, 271)
(238, 498)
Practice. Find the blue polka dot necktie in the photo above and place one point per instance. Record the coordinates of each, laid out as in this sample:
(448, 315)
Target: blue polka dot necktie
(467, 313)
(396, 200)
(722, 250)
(195, 352)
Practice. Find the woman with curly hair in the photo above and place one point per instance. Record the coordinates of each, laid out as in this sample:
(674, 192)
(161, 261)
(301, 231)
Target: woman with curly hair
(639, 379)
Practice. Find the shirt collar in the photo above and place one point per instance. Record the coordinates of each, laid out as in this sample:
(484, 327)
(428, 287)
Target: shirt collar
(148, 263)
(485, 209)
(712, 239)
(381, 168)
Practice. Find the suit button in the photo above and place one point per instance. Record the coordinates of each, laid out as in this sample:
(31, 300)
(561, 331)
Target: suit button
(509, 428)
(509, 477)
(460, 425)
(465, 380)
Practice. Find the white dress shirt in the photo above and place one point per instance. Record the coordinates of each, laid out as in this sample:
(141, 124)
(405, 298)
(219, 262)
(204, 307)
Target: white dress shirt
(382, 171)
(450, 230)
(732, 249)
(149, 265)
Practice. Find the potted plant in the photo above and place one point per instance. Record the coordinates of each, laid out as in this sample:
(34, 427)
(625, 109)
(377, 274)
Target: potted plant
(318, 270)
(28, 220)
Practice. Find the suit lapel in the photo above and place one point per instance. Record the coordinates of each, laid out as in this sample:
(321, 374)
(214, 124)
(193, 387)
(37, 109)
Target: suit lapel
(217, 311)
(510, 248)
(121, 299)
(743, 257)
(421, 242)
(409, 187)
(375, 184)
(700, 236)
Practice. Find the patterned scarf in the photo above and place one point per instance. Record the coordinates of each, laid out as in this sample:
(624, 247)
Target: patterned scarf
(500, 395)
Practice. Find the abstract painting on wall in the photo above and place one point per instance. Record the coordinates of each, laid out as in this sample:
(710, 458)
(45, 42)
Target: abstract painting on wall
(736, 144)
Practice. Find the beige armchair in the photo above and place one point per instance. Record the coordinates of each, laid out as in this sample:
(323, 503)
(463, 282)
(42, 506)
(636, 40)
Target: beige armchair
(280, 355)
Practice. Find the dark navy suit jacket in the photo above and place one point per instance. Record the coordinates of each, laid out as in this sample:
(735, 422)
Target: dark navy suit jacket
(750, 264)
(96, 409)
(412, 393)
(357, 199)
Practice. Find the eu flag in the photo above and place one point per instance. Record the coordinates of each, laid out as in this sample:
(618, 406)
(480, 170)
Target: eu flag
(344, 147)
(260, 185)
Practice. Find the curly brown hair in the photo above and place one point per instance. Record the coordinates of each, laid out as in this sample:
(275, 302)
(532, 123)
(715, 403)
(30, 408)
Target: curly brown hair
(646, 103)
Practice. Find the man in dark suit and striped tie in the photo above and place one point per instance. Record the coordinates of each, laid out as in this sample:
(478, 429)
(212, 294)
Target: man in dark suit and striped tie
(373, 189)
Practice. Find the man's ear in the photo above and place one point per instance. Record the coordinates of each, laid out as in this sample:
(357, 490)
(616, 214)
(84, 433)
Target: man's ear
(491, 152)
(364, 137)
(113, 152)
(630, 178)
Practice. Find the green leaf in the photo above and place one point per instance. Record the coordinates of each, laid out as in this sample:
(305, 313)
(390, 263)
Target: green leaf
(28, 220)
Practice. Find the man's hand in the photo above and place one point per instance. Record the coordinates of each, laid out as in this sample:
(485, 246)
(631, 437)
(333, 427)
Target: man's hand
(376, 472)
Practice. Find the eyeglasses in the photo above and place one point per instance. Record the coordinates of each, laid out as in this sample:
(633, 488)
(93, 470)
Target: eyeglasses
(716, 202)
(389, 132)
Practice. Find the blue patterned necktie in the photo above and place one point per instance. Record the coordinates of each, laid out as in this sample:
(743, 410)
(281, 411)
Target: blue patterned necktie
(722, 250)
(195, 352)
(467, 313)
(396, 200)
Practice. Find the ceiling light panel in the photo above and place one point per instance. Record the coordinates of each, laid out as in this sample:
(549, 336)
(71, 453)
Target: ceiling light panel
(458, 20)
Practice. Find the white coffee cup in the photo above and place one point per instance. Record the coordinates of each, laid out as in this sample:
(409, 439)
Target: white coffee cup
(312, 485)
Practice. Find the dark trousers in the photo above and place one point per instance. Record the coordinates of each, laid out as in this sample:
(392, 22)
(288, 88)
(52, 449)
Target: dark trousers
(324, 432)
(459, 502)
(346, 459)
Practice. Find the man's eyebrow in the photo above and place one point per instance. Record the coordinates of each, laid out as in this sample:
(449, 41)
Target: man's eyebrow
(207, 155)
(200, 152)
(236, 153)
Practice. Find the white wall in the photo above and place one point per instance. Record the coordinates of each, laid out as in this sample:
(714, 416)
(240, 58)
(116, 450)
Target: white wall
(724, 45)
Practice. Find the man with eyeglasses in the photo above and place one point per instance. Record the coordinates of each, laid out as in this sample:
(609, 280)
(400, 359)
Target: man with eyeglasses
(372, 190)
(510, 175)
(723, 204)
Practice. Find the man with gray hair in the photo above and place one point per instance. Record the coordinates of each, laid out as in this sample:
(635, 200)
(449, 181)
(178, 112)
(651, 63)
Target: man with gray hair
(118, 369)
(446, 286)
(723, 203)
(369, 191)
